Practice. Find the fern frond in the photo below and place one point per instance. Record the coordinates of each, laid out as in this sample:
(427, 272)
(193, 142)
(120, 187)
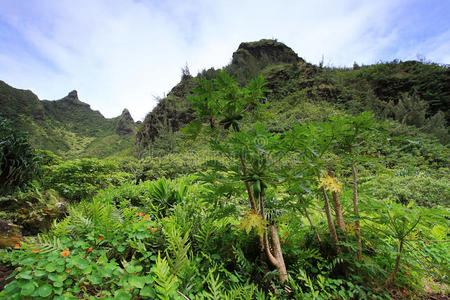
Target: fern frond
(165, 282)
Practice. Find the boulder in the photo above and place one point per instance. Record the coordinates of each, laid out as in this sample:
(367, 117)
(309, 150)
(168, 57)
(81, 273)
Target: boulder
(10, 234)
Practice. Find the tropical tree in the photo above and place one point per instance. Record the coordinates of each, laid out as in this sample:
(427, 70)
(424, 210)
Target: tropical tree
(253, 154)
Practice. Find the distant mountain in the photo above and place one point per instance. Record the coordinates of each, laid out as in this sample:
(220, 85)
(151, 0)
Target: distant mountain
(411, 92)
(68, 127)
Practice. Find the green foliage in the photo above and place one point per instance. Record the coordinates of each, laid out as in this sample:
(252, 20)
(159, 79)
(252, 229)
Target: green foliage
(34, 210)
(405, 186)
(67, 127)
(178, 236)
(19, 163)
(79, 179)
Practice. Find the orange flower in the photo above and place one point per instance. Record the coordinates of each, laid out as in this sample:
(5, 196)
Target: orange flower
(427, 243)
(149, 227)
(141, 214)
(407, 272)
(406, 266)
(100, 238)
(146, 217)
(34, 250)
(285, 233)
(16, 246)
(283, 240)
(90, 250)
(68, 271)
(65, 253)
(155, 229)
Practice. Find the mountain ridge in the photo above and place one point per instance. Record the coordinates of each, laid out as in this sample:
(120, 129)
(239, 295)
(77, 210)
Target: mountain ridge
(67, 126)
(411, 92)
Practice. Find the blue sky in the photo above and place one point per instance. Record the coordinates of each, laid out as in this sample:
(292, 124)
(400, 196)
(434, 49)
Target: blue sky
(123, 53)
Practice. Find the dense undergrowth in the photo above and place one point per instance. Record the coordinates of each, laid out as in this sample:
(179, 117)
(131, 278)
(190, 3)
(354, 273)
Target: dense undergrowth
(243, 207)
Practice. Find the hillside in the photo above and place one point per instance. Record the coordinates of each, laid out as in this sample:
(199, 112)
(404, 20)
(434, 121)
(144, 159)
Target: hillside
(411, 92)
(271, 178)
(67, 127)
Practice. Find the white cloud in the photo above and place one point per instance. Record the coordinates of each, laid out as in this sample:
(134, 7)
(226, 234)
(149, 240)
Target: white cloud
(120, 54)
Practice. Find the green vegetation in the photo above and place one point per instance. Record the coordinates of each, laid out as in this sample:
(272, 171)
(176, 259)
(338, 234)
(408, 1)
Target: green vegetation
(245, 188)
(18, 160)
(67, 127)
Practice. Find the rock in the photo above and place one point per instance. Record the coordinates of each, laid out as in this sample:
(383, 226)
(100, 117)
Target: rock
(126, 123)
(10, 234)
(5, 271)
(73, 95)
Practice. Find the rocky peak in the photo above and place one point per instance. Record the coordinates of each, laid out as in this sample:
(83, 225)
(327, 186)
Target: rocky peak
(126, 116)
(73, 95)
(126, 124)
(267, 51)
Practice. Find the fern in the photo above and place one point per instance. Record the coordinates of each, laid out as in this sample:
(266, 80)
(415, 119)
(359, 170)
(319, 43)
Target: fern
(44, 242)
(178, 248)
(214, 285)
(165, 281)
(204, 234)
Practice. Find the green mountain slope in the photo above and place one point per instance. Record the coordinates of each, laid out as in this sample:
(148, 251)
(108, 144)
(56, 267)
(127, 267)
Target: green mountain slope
(411, 92)
(68, 127)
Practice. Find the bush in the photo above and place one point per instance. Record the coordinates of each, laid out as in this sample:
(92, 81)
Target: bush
(81, 178)
(18, 160)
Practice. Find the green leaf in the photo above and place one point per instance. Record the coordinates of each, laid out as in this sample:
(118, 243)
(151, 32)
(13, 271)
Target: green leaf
(122, 295)
(253, 221)
(149, 292)
(39, 273)
(28, 288)
(50, 268)
(45, 290)
(137, 281)
(28, 261)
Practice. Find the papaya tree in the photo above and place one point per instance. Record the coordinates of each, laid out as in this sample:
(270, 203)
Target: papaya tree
(355, 139)
(253, 154)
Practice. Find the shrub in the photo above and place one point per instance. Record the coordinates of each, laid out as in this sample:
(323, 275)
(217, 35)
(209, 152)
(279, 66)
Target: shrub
(81, 178)
(18, 160)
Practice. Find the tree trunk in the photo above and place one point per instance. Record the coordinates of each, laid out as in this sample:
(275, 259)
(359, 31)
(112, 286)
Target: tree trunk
(312, 225)
(356, 211)
(278, 254)
(391, 278)
(338, 208)
(331, 227)
(251, 197)
(338, 211)
(275, 258)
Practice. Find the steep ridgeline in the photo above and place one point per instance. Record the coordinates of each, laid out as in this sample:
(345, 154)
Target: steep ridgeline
(67, 127)
(411, 92)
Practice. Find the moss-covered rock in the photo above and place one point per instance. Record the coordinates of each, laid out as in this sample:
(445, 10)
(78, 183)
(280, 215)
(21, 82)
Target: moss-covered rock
(10, 234)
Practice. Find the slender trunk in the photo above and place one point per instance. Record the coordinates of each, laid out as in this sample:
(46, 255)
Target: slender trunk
(356, 211)
(331, 227)
(278, 253)
(338, 208)
(275, 258)
(251, 197)
(312, 225)
(391, 278)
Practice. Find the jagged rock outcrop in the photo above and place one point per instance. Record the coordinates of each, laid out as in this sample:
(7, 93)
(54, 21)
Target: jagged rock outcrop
(250, 58)
(170, 114)
(126, 124)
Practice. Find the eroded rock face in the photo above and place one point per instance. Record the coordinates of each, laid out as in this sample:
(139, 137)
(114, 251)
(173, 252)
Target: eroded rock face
(126, 123)
(9, 234)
